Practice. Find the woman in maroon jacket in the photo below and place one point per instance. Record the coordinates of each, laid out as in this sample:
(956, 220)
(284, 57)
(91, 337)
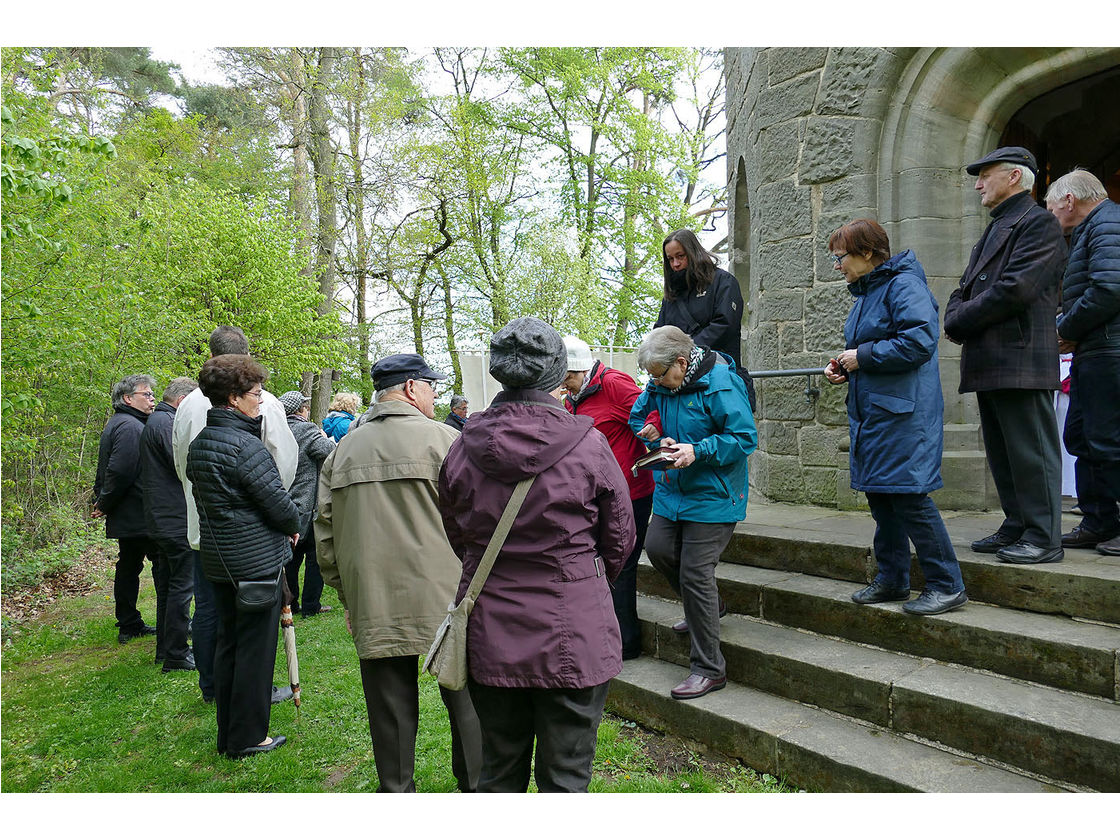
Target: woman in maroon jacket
(606, 396)
(542, 641)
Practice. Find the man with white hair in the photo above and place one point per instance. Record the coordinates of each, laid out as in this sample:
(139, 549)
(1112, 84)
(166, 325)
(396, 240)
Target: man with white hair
(1090, 329)
(1003, 316)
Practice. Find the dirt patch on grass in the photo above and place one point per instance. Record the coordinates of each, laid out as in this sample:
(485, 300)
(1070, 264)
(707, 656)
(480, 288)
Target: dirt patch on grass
(84, 575)
(670, 755)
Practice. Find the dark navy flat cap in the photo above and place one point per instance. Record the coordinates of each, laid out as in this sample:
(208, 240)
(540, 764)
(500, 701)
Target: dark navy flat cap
(1005, 154)
(393, 370)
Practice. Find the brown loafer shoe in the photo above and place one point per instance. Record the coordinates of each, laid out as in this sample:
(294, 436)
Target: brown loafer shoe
(1110, 547)
(1082, 537)
(681, 626)
(697, 686)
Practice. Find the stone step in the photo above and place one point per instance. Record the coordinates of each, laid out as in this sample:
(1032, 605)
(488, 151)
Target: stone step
(808, 747)
(1042, 730)
(1051, 650)
(1085, 584)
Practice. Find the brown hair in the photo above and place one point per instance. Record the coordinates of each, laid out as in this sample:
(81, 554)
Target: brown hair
(862, 236)
(228, 376)
(701, 270)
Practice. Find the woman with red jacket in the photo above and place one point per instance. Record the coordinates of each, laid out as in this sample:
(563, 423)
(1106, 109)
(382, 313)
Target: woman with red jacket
(606, 396)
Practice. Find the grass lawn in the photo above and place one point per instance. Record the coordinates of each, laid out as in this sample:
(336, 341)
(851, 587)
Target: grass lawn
(82, 713)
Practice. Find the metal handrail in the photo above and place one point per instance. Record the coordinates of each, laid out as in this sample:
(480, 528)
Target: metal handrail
(811, 391)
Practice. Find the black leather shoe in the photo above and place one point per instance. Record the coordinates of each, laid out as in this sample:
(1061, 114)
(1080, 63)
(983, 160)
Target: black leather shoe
(273, 742)
(992, 544)
(125, 636)
(935, 603)
(280, 693)
(876, 593)
(696, 686)
(681, 626)
(1110, 547)
(1082, 537)
(179, 664)
(1025, 553)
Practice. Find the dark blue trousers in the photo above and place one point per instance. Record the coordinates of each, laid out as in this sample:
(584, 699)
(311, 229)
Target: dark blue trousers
(901, 518)
(204, 629)
(1092, 435)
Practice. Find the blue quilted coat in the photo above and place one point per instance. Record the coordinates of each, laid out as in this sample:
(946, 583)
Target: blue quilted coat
(894, 398)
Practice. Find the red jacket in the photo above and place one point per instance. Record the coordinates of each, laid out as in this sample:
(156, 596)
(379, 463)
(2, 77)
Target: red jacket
(607, 398)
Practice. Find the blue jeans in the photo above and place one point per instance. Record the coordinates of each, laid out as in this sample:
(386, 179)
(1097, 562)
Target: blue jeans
(904, 517)
(204, 628)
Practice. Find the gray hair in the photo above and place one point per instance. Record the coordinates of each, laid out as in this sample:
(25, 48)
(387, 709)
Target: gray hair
(1082, 184)
(457, 400)
(178, 387)
(128, 385)
(664, 346)
(1026, 177)
(380, 395)
(225, 341)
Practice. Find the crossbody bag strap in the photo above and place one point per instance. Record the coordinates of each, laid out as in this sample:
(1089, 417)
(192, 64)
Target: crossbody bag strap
(499, 538)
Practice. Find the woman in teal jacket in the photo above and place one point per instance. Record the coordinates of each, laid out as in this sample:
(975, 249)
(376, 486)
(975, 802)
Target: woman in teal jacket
(709, 430)
(894, 416)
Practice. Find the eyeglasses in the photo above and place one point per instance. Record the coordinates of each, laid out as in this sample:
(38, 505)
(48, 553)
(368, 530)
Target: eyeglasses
(431, 383)
(839, 258)
(147, 394)
(258, 394)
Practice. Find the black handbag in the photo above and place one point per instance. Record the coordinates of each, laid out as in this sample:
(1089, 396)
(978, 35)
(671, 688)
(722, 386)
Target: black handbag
(253, 596)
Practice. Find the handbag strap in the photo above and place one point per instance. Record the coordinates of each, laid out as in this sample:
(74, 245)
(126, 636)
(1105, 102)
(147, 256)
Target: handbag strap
(499, 538)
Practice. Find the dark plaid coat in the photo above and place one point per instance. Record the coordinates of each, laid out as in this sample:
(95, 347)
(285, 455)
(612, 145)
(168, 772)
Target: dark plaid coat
(1003, 312)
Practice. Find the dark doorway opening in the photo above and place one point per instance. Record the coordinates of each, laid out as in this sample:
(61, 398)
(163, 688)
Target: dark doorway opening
(1077, 124)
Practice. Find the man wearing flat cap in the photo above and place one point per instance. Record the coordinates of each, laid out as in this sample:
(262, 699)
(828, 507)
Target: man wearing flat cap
(381, 544)
(1003, 316)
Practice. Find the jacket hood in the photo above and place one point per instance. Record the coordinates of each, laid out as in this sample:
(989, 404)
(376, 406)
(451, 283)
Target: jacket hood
(522, 433)
(903, 263)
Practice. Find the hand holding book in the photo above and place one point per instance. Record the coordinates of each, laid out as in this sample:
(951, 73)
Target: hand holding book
(669, 456)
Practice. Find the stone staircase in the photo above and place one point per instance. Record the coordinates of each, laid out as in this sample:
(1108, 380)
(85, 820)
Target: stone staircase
(1017, 691)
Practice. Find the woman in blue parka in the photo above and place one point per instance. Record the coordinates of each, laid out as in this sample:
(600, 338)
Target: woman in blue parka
(895, 416)
(707, 425)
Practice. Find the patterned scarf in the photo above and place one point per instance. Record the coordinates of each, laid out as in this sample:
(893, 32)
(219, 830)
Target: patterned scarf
(694, 360)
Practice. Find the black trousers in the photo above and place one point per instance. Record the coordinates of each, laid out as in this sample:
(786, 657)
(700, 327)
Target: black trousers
(126, 579)
(304, 554)
(393, 707)
(244, 659)
(624, 590)
(563, 721)
(174, 576)
(1092, 435)
(1021, 439)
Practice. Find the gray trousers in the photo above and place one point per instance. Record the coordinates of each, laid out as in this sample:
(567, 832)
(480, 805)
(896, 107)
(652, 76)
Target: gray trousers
(687, 553)
(393, 708)
(1021, 440)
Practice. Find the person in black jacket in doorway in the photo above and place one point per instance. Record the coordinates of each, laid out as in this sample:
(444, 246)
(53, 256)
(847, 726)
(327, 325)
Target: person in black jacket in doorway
(117, 497)
(247, 523)
(165, 514)
(702, 299)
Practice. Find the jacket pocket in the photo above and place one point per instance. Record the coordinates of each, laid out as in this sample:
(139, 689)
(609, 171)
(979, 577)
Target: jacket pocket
(581, 568)
(892, 404)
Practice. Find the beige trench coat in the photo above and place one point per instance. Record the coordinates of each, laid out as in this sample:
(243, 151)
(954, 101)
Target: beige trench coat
(378, 532)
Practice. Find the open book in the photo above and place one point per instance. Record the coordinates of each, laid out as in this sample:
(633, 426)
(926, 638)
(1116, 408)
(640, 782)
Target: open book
(660, 458)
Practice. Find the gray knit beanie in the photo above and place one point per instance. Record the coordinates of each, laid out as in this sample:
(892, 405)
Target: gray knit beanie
(528, 353)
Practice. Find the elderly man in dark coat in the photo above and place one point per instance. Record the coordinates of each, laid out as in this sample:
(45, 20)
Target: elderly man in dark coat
(1003, 315)
(165, 512)
(117, 497)
(1090, 329)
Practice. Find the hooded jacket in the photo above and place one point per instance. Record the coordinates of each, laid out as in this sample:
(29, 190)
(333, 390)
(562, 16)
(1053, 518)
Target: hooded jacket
(544, 618)
(714, 415)
(337, 423)
(116, 488)
(245, 514)
(607, 397)
(895, 404)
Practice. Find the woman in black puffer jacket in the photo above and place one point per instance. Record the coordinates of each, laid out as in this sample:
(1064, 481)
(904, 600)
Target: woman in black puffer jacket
(247, 522)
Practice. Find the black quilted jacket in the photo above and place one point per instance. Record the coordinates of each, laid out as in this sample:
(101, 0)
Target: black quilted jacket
(1091, 286)
(245, 514)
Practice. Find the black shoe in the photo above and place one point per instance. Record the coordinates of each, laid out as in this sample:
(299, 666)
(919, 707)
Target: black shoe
(1082, 537)
(631, 654)
(280, 694)
(876, 593)
(992, 544)
(273, 742)
(935, 603)
(1025, 553)
(125, 636)
(1110, 547)
(179, 664)
(681, 626)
